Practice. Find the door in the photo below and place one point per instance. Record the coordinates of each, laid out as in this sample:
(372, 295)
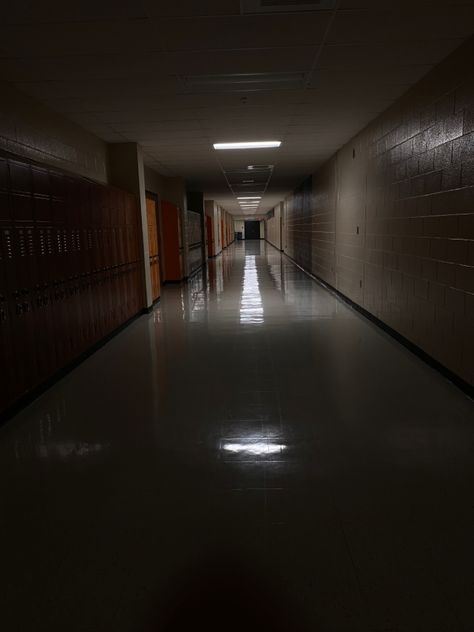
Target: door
(154, 255)
(210, 238)
(252, 230)
(172, 246)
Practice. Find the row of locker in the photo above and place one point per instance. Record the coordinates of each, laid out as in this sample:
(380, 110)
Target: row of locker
(45, 329)
(45, 210)
(29, 193)
(67, 280)
(50, 253)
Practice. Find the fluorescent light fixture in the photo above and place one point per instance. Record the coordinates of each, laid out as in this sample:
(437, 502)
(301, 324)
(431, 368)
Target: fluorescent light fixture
(254, 447)
(259, 144)
(254, 197)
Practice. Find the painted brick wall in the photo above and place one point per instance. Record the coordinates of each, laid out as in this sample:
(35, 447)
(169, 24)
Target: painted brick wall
(391, 219)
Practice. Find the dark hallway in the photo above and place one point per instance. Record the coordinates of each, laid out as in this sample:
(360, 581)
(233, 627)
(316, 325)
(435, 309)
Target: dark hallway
(237, 316)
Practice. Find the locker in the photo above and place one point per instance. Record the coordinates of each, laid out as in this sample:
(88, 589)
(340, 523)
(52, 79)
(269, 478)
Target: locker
(4, 175)
(40, 182)
(42, 211)
(6, 351)
(5, 208)
(70, 271)
(20, 177)
(23, 278)
(22, 207)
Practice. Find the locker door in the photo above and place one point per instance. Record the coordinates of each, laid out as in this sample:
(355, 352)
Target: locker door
(7, 355)
(154, 247)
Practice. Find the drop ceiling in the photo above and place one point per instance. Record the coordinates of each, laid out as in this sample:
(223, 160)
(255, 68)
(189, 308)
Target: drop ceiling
(178, 76)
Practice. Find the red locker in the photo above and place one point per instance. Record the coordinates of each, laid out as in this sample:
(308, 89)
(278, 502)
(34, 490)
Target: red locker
(70, 269)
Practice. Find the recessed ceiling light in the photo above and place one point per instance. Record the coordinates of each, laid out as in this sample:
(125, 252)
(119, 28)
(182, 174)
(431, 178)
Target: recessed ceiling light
(259, 144)
(249, 197)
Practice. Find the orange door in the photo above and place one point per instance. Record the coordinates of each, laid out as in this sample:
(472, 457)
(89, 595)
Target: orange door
(210, 239)
(172, 249)
(154, 247)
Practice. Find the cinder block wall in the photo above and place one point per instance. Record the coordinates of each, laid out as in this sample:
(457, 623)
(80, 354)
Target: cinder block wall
(32, 130)
(390, 222)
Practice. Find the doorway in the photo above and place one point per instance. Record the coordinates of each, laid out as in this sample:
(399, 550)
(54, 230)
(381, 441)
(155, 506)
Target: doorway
(252, 230)
(210, 237)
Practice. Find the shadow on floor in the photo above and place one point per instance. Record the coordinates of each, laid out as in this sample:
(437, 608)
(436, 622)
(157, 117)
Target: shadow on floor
(227, 595)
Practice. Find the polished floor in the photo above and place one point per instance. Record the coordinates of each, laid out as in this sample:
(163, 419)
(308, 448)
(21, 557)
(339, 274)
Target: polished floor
(252, 455)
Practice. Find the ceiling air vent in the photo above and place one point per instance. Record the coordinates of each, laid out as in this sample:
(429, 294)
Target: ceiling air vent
(285, 6)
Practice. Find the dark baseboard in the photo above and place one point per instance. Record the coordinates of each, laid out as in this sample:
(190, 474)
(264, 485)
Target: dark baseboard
(29, 397)
(150, 308)
(465, 387)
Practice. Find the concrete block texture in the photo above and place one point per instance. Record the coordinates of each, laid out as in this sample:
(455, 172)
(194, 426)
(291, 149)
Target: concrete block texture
(389, 219)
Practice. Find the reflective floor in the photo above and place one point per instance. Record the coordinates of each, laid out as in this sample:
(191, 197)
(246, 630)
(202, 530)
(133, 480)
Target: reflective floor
(251, 455)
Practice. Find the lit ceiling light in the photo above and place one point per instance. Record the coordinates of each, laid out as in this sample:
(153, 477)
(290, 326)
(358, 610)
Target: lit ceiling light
(254, 197)
(256, 448)
(260, 144)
